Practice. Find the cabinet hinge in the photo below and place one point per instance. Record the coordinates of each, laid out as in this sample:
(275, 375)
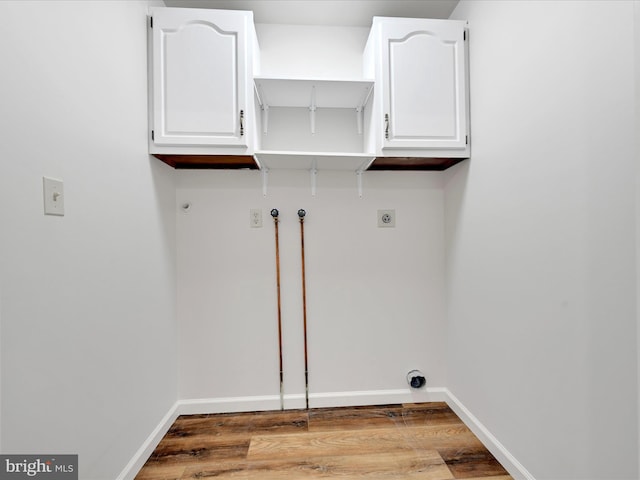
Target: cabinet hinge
(152, 135)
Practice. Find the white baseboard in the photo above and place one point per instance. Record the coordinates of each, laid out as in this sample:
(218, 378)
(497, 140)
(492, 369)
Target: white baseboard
(376, 397)
(228, 404)
(316, 400)
(328, 399)
(508, 461)
(144, 452)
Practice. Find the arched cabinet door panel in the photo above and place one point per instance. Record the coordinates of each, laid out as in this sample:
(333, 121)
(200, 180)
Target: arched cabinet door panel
(200, 77)
(421, 75)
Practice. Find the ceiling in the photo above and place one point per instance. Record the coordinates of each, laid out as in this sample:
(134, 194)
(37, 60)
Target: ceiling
(327, 12)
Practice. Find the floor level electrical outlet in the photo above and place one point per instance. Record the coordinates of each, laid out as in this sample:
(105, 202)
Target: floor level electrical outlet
(386, 218)
(53, 192)
(255, 218)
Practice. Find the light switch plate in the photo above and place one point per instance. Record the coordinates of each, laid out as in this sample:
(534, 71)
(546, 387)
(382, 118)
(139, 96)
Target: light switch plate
(53, 191)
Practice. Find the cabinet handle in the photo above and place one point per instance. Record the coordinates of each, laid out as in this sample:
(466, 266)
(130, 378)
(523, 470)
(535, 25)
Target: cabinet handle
(386, 126)
(241, 123)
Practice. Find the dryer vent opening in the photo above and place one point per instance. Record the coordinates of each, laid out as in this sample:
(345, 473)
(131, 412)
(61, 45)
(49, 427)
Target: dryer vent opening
(416, 379)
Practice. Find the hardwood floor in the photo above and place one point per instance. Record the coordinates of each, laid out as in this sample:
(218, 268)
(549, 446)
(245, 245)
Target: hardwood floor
(414, 441)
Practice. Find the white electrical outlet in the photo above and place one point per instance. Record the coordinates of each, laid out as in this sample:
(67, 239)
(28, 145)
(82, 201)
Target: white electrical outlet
(255, 218)
(386, 218)
(53, 191)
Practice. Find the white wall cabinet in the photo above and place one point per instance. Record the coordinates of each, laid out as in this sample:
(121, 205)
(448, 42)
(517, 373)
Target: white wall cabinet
(211, 108)
(202, 81)
(421, 99)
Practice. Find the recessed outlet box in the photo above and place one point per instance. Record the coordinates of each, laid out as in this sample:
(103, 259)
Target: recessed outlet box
(53, 193)
(386, 218)
(255, 218)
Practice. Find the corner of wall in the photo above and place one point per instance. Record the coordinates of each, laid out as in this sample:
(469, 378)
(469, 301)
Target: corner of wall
(497, 449)
(146, 449)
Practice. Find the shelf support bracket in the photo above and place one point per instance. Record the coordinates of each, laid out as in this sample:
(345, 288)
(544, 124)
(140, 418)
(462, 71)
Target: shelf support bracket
(312, 110)
(265, 181)
(265, 118)
(359, 180)
(314, 177)
(360, 109)
(264, 107)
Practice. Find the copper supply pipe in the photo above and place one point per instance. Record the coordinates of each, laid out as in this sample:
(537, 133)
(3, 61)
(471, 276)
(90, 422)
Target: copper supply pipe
(274, 214)
(301, 214)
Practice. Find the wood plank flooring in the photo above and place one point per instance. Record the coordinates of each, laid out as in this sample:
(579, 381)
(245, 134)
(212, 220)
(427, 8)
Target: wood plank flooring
(414, 441)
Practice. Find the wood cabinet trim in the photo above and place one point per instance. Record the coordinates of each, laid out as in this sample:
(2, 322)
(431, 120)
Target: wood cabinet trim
(414, 163)
(208, 161)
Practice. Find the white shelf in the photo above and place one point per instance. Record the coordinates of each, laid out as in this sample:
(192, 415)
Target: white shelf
(314, 160)
(320, 93)
(289, 126)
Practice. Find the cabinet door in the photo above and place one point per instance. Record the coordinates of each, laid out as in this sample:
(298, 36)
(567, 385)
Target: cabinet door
(199, 77)
(423, 80)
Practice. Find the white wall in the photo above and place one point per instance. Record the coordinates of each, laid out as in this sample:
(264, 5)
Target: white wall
(311, 51)
(88, 299)
(540, 236)
(375, 303)
(375, 300)
(636, 63)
